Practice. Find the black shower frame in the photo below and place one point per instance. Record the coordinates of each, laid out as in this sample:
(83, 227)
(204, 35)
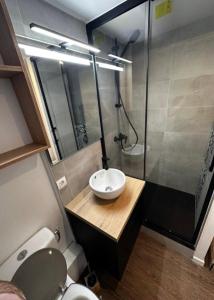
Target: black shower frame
(90, 27)
(110, 15)
(53, 128)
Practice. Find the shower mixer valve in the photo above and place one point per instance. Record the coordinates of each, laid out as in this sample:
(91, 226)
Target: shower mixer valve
(120, 138)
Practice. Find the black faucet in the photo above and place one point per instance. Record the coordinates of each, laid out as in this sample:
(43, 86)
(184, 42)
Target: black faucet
(105, 162)
(120, 138)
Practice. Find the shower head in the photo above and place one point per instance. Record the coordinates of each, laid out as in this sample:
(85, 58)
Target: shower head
(133, 38)
(135, 35)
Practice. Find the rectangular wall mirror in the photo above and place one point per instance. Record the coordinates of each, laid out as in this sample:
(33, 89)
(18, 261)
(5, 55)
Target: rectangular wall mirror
(69, 99)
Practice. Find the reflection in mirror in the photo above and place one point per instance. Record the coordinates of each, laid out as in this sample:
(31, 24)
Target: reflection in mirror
(70, 102)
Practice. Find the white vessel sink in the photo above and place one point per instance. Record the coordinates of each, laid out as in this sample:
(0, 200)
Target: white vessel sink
(108, 184)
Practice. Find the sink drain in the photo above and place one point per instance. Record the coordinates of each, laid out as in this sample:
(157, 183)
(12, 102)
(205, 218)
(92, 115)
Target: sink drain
(108, 189)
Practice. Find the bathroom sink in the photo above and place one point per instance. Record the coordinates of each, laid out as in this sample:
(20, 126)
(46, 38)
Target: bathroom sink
(108, 184)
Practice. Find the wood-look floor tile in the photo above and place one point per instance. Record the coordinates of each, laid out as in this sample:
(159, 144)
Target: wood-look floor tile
(157, 273)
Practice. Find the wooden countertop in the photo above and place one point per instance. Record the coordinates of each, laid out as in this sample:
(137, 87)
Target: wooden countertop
(108, 216)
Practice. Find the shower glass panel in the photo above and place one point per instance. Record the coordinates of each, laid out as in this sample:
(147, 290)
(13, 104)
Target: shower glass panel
(123, 93)
(158, 113)
(180, 113)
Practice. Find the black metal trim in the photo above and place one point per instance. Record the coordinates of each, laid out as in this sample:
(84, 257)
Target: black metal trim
(63, 73)
(106, 17)
(204, 210)
(102, 139)
(192, 242)
(53, 128)
(112, 14)
(147, 88)
(211, 165)
(169, 235)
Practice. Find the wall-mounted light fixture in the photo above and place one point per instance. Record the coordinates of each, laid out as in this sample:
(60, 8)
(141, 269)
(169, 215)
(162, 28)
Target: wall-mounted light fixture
(109, 66)
(120, 58)
(63, 57)
(54, 55)
(62, 38)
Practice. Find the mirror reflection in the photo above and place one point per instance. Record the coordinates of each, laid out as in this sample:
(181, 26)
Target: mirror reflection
(70, 102)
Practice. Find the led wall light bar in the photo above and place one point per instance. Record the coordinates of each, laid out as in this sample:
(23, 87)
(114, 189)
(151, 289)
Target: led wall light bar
(120, 58)
(62, 38)
(54, 55)
(109, 66)
(63, 57)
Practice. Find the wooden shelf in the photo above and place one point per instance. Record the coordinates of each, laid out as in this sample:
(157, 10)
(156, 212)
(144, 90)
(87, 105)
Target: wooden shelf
(17, 154)
(7, 71)
(14, 68)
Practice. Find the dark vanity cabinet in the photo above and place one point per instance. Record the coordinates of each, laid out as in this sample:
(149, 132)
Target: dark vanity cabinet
(107, 229)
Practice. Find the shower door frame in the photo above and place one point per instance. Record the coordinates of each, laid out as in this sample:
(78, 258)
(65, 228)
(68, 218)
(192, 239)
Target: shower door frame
(93, 25)
(90, 27)
(110, 15)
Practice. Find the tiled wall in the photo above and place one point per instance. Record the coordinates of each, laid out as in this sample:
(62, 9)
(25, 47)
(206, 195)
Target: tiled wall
(24, 12)
(132, 88)
(108, 97)
(89, 100)
(134, 165)
(77, 169)
(181, 105)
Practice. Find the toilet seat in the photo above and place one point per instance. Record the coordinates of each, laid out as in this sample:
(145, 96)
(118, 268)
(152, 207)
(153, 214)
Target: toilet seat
(77, 291)
(42, 276)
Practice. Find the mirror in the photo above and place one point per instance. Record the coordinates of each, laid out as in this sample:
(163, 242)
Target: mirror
(70, 103)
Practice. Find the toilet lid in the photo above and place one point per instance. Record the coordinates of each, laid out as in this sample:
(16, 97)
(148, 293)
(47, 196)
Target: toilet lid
(78, 292)
(42, 274)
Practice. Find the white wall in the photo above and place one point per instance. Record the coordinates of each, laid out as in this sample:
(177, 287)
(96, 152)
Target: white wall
(206, 237)
(11, 118)
(24, 12)
(27, 203)
(27, 199)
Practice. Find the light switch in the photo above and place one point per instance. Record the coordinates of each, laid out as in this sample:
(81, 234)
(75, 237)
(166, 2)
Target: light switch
(61, 183)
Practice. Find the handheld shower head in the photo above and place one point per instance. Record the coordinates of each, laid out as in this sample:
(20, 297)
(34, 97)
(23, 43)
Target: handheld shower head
(135, 35)
(133, 38)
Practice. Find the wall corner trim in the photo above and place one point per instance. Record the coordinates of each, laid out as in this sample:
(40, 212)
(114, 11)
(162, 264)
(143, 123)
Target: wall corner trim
(198, 261)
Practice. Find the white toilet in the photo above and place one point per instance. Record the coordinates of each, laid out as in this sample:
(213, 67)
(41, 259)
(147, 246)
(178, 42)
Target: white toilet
(40, 270)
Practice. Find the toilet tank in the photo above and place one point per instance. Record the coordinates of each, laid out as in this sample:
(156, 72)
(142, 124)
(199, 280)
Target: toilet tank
(44, 238)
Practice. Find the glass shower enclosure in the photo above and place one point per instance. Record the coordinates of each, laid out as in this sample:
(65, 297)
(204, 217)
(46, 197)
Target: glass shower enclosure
(123, 93)
(158, 113)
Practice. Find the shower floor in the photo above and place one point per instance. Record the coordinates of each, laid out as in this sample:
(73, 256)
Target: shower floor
(169, 212)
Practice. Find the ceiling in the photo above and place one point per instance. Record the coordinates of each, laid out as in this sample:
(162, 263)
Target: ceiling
(85, 10)
(183, 12)
(123, 26)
